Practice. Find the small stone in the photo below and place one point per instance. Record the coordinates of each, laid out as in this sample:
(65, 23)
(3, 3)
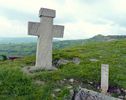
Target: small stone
(98, 87)
(125, 91)
(118, 91)
(71, 80)
(57, 90)
(62, 62)
(120, 97)
(64, 79)
(76, 61)
(69, 87)
(90, 82)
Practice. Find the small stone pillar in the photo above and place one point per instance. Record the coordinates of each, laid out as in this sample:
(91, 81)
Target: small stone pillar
(104, 78)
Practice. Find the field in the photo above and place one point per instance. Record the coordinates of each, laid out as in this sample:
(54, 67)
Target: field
(56, 85)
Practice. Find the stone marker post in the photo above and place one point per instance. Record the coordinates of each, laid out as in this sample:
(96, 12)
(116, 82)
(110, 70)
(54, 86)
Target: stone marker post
(45, 30)
(104, 78)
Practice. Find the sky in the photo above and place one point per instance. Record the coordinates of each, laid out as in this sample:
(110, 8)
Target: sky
(82, 18)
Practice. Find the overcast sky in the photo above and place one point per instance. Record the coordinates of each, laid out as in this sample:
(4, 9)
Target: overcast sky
(81, 18)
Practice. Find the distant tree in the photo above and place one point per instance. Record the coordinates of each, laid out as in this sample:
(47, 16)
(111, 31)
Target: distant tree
(4, 57)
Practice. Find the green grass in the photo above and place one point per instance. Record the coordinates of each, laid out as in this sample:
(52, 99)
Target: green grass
(15, 85)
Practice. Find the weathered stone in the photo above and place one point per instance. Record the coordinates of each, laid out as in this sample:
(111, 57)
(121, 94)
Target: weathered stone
(76, 61)
(45, 30)
(124, 91)
(62, 62)
(85, 94)
(64, 79)
(71, 80)
(104, 77)
(118, 91)
(91, 83)
(47, 13)
(120, 97)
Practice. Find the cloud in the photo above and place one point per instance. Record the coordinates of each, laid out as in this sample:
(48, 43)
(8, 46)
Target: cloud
(11, 28)
(81, 18)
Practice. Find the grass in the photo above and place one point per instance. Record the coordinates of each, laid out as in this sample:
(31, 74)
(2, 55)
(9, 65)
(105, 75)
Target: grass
(16, 85)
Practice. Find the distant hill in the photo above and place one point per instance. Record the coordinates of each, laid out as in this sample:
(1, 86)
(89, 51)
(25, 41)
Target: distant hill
(27, 46)
(107, 38)
(96, 38)
(17, 40)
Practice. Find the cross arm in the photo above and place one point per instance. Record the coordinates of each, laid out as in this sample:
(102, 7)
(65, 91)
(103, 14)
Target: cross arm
(33, 28)
(58, 31)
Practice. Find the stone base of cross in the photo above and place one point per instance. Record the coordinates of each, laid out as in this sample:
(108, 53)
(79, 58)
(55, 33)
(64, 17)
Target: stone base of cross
(45, 30)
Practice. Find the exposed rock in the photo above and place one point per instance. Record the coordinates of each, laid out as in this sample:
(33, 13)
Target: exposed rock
(98, 87)
(64, 79)
(91, 83)
(121, 97)
(118, 91)
(62, 61)
(85, 94)
(76, 61)
(29, 70)
(124, 91)
(71, 80)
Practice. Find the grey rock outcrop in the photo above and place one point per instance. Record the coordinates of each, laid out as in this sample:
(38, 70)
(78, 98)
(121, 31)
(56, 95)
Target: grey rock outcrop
(85, 94)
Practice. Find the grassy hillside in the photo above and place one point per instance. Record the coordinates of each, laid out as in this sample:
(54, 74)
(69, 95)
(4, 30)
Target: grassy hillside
(56, 85)
(27, 46)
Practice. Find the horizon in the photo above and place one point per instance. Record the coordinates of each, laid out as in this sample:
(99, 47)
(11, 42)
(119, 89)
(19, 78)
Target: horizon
(57, 39)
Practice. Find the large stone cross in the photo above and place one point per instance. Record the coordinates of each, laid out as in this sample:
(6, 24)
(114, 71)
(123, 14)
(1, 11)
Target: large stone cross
(45, 30)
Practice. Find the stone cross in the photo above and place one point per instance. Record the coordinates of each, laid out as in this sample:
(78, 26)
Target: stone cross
(104, 78)
(45, 30)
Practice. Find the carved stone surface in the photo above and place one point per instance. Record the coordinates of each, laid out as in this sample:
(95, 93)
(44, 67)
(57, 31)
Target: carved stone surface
(47, 12)
(45, 30)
